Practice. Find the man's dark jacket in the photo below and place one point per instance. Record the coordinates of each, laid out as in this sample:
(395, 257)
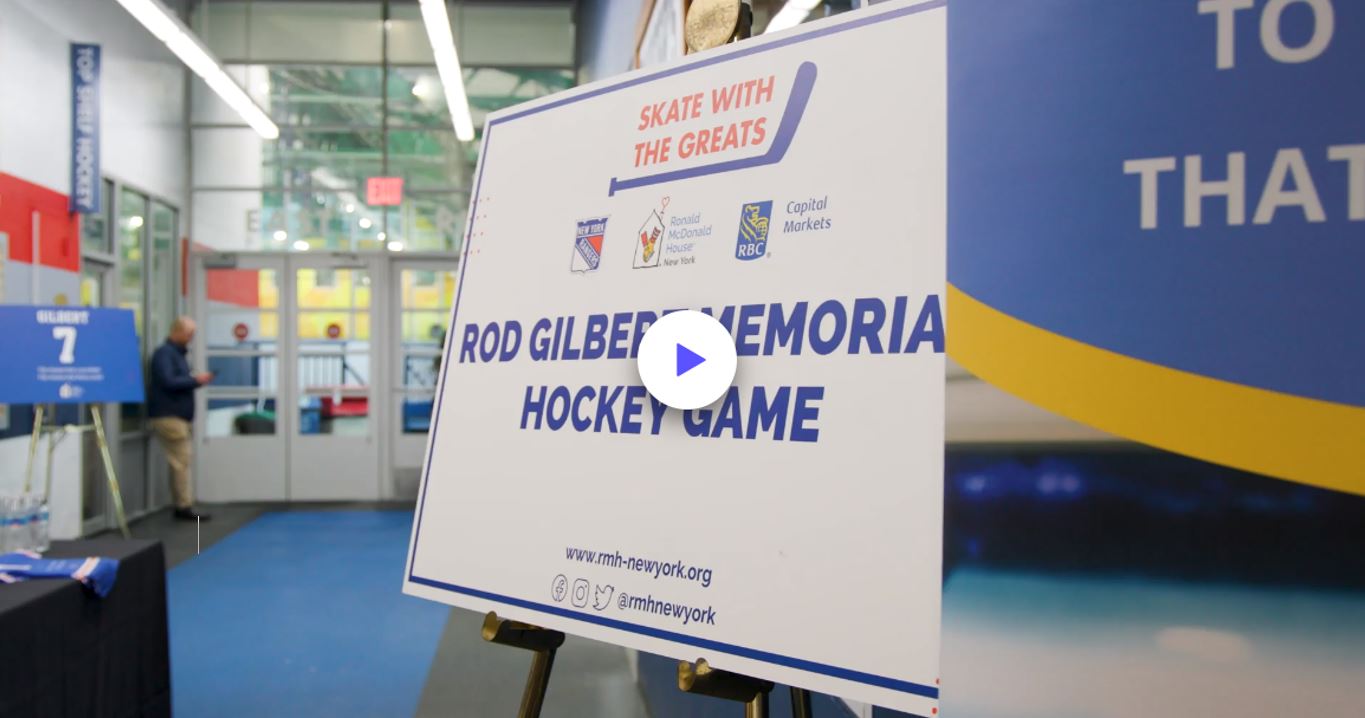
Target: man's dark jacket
(170, 388)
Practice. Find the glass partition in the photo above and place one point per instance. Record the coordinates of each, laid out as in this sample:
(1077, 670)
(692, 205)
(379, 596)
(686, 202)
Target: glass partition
(163, 269)
(348, 112)
(241, 336)
(95, 227)
(131, 229)
(424, 298)
(333, 335)
(132, 239)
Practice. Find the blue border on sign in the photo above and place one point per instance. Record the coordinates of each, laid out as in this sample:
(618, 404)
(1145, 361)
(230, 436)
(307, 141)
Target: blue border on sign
(847, 674)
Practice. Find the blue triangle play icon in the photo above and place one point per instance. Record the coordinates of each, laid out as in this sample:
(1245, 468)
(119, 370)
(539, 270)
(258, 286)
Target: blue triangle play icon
(688, 360)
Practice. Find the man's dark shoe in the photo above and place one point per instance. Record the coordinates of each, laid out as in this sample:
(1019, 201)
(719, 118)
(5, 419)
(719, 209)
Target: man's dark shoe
(191, 515)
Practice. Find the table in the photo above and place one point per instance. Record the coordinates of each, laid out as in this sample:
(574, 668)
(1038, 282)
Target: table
(66, 654)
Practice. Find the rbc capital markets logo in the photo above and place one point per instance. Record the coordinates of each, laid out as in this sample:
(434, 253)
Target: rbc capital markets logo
(753, 230)
(587, 247)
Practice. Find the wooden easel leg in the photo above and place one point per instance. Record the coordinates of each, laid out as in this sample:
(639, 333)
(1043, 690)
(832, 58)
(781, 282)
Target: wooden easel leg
(704, 680)
(33, 446)
(51, 450)
(757, 707)
(95, 412)
(541, 642)
(800, 703)
(537, 683)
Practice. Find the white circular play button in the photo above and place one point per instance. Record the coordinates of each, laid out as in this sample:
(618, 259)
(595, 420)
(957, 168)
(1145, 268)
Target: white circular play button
(686, 360)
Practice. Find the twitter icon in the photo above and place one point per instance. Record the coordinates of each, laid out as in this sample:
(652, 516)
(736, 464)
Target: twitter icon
(602, 597)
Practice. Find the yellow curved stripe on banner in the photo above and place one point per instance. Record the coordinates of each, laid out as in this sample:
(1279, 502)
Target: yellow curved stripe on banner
(1281, 435)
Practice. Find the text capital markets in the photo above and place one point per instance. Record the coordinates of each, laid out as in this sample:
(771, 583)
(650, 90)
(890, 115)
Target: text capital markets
(867, 325)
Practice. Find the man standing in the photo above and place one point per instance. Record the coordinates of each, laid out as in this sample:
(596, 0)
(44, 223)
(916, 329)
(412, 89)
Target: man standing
(170, 404)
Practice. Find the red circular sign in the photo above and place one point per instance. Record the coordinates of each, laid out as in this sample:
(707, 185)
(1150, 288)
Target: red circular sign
(333, 330)
(240, 330)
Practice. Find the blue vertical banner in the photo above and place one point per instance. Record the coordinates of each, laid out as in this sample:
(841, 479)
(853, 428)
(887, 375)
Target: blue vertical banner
(85, 128)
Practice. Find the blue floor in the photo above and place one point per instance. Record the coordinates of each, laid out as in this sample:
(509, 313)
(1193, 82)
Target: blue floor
(300, 614)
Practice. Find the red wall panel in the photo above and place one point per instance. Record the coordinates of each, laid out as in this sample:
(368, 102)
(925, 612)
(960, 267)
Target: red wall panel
(59, 229)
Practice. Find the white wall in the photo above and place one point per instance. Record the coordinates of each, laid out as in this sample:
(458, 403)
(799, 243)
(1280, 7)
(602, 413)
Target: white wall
(64, 501)
(143, 136)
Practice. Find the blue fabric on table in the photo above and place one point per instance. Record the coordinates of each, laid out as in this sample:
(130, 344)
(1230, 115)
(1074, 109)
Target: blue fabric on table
(96, 574)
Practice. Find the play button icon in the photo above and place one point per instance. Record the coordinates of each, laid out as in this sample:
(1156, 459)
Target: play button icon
(687, 360)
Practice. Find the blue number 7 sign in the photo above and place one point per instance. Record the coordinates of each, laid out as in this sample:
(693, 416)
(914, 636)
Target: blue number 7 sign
(69, 355)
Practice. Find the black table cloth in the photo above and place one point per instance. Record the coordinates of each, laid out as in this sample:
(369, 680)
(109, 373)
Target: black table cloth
(66, 654)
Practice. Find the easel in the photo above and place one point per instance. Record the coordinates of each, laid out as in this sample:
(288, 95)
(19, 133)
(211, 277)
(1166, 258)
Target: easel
(704, 680)
(718, 22)
(699, 679)
(101, 440)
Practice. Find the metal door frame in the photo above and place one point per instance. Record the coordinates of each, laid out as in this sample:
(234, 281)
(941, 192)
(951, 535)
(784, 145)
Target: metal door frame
(405, 452)
(374, 264)
(227, 487)
(385, 351)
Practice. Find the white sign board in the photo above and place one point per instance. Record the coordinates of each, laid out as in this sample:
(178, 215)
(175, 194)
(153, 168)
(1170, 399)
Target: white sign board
(793, 186)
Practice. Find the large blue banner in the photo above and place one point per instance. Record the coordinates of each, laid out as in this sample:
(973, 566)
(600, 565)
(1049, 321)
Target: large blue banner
(1157, 221)
(85, 128)
(68, 355)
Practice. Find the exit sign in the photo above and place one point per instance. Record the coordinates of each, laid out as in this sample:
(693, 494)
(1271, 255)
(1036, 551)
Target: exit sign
(384, 191)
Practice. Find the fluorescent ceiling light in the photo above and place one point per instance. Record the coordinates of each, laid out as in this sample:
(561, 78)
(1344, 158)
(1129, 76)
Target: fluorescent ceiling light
(301, 246)
(166, 27)
(448, 64)
(792, 14)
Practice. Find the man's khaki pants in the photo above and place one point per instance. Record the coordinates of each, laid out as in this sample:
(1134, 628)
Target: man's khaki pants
(174, 434)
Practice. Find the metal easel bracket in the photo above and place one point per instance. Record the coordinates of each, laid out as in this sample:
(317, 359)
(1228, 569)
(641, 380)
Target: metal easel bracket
(542, 642)
(704, 680)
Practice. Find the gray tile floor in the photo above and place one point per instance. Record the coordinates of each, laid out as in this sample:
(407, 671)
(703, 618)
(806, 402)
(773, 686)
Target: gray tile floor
(468, 677)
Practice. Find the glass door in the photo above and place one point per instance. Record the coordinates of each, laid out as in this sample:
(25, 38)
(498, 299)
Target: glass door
(159, 312)
(241, 427)
(97, 290)
(334, 454)
(423, 291)
(130, 244)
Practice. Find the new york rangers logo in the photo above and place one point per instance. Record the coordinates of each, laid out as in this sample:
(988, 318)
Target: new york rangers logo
(753, 230)
(587, 246)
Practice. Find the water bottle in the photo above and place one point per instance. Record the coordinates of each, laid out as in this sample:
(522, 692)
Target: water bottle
(41, 540)
(30, 521)
(13, 541)
(23, 521)
(21, 534)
